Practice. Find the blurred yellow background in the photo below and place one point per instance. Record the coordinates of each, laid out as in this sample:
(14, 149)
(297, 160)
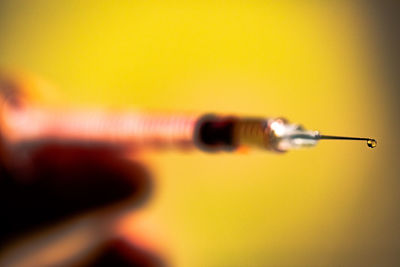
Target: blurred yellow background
(313, 62)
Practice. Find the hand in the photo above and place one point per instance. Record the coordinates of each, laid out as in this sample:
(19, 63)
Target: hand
(69, 181)
(59, 204)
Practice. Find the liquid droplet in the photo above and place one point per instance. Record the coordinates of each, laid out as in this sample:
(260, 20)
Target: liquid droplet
(371, 143)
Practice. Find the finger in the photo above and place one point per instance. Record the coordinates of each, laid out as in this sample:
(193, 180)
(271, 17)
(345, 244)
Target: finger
(64, 181)
(87, 240)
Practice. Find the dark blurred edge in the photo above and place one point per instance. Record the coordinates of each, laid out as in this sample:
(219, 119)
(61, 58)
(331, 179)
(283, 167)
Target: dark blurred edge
(385, 16)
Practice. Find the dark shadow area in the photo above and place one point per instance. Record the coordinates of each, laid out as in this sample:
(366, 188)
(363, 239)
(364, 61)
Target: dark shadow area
(119, 253)
(62, 181)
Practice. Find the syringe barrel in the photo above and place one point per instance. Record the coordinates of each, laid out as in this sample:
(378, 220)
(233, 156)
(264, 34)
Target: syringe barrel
(26, 124)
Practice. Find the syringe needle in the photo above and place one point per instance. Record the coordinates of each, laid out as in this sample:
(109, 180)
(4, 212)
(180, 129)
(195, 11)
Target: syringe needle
(370, 142)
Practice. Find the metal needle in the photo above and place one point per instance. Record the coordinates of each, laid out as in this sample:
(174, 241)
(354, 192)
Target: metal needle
(370, 142)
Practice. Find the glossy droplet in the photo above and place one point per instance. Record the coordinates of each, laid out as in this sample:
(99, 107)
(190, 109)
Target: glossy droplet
(371, 143)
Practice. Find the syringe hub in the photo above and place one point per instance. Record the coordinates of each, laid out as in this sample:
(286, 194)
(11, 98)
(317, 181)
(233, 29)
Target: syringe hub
(216, 133)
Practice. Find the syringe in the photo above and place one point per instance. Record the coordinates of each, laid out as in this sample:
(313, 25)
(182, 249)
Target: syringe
(23, 124)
